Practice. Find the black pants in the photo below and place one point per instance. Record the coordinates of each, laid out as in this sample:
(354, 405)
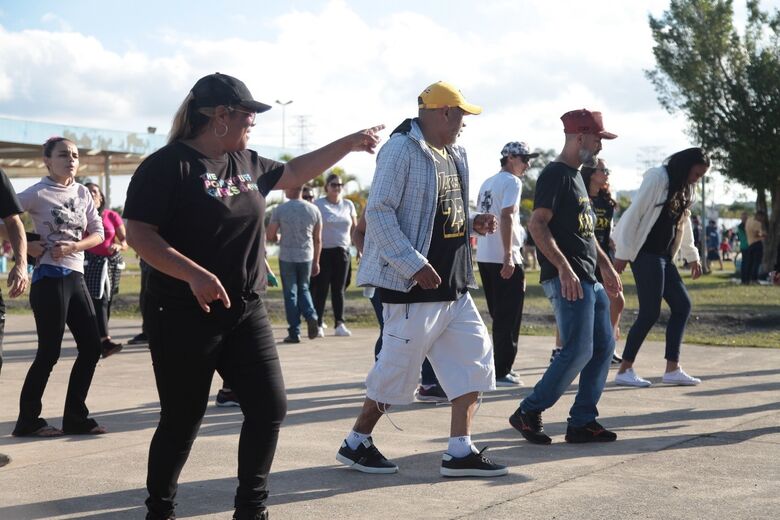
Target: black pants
(751, 261)
(2, 329)
(103, 314)
(505, 300)
(187, 346)
(56, 302)
(334, 266)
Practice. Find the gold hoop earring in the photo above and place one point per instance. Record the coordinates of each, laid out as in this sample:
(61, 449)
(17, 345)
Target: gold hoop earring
(223, 134)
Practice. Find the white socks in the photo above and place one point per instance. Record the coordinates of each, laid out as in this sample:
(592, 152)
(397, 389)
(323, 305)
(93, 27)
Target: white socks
(459, 447)
(354, 439)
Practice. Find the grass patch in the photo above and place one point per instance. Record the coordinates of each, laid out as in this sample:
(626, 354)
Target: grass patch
(724, 312)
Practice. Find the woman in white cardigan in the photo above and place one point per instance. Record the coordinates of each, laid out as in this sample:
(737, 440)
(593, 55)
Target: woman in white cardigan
(652, 230)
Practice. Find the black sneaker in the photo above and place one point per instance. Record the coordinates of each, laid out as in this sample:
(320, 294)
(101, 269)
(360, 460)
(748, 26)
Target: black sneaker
(139, 339)
(292, 339)
(530, 426)
(251, 515)
(312, 328)
(472, 465)
(110, 348)
(616, 360)
(365, 458)
(434, 394)
(555, 353)
(591, 432)
(226, 399)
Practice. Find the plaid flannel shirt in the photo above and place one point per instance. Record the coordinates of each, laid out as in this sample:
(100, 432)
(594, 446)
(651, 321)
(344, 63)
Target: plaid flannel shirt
(401, 210)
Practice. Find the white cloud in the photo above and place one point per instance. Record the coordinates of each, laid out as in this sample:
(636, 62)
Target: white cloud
(347, 71)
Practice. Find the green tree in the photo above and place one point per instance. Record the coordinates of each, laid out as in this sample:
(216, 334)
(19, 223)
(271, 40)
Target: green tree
(529, 181)
(728, 86)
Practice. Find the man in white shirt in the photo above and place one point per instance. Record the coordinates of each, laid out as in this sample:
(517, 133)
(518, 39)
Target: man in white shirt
(500, 257)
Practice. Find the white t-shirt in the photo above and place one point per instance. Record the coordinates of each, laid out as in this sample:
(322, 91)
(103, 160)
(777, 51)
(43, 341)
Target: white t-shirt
(336, 222)
(502, 190)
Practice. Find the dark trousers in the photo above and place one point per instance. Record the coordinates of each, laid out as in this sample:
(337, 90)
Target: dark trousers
(2, 329)
(657, 278)
(334, 266)
(751, 261)
(56, 302)
(505, 300)
(428, 376)
(103, 314)
(187, 346)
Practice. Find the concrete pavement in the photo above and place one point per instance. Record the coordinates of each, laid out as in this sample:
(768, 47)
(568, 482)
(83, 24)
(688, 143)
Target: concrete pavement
(710, 451)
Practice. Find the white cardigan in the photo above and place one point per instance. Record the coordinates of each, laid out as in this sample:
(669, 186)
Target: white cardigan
(633, 227)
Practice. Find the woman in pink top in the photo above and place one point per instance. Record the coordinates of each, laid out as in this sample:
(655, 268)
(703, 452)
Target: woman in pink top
(62, 210)
(102, 267)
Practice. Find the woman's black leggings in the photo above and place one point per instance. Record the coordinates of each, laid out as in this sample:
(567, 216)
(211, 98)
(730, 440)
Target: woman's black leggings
(657, 278)
(187, 346)
(56, 302)
(334, 266)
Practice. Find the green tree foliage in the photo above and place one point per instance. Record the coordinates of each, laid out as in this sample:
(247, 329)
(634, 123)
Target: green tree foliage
(529, 181)
(728, 86)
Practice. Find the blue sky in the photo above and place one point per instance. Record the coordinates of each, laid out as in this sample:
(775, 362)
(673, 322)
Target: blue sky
(348, 65)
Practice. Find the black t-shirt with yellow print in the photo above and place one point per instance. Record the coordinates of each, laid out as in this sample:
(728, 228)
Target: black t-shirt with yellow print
(449, 251)
(560, 188)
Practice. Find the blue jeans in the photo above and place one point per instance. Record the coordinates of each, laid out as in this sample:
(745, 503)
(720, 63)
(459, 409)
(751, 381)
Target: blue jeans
(656, 277)
(297, 298)
(588, 345)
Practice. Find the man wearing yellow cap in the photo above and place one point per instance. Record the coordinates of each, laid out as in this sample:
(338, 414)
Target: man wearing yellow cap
(417, 255)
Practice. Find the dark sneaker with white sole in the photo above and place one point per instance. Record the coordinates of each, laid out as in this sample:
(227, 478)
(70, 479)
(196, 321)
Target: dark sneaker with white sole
(472, 465)
(530, 426)
(591, 432)
(432, 394)
(366, 458)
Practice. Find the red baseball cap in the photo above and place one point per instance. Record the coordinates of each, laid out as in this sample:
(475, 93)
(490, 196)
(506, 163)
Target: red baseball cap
(584, 121)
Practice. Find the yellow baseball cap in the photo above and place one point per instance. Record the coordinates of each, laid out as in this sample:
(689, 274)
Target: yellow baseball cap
(442, 94)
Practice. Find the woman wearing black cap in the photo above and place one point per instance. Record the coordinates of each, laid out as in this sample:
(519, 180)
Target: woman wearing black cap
(195, 213)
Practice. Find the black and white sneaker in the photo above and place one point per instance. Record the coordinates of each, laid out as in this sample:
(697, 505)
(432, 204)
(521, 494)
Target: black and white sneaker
(472, 465)
(366, 458)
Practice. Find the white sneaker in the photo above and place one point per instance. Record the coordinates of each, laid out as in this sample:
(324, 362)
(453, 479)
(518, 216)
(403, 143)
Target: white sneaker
(320, 332)
(679, 377)
(629, 378)
(342, 330)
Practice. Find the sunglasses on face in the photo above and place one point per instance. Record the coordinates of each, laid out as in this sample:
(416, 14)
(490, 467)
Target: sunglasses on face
(335, 184)
(605, 170)
(524, 158)
(308, 197)
(247, 112)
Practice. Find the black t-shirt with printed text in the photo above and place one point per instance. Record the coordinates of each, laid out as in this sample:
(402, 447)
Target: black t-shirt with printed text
(209, 210)
(449, 251)
(560, 188)
(662, 235)
(604, 211)
(9, 203)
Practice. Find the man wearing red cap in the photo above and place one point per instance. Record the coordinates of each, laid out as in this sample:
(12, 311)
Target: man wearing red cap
(562, 226)
(416, 253)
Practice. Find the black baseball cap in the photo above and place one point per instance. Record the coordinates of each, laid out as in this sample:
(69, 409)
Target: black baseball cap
(221, 89)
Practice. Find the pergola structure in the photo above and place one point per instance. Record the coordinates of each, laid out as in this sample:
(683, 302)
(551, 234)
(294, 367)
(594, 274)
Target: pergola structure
(102, 152)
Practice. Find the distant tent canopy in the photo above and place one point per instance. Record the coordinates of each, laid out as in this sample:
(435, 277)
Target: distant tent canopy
(102, 152)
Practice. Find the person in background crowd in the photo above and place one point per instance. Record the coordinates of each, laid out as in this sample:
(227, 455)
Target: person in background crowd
(562, 225)
(13, 230)
(61, 210)
(338, 220)
(195, 211)
(300, 224)
(725, 248)
(651, 231)
(102, 267)
(596, 179)
(500, 257)
(756, 232)
(713, 243)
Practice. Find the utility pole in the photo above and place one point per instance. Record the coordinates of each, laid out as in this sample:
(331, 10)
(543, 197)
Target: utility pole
(283, 104)
(705, 265)
(303, 129)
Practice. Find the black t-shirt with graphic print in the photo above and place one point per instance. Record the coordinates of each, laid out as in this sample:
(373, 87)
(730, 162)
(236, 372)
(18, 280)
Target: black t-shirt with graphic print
(209, 210)
(560, 188)
(449, 251)
(604, 211)
(662, 235)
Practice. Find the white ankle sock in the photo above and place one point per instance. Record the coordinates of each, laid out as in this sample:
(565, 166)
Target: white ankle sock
(354, 439)
(460, 446)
